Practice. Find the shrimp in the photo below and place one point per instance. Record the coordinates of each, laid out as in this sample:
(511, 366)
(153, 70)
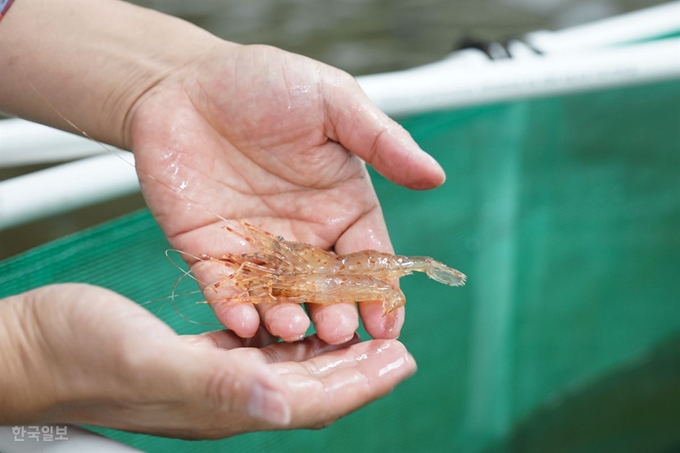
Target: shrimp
(277, 270)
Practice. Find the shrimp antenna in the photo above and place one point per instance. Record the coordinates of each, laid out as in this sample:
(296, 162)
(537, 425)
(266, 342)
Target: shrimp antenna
(185, 273)
(70, 123)
(178, 311)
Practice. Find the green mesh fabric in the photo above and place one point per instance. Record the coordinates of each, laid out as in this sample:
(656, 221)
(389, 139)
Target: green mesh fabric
(565, 214)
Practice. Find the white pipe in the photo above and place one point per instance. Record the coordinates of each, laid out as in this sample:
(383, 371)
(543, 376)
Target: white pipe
(627, 28)
(77, 440)
(26, 143)
(65, 187)
(446, 85)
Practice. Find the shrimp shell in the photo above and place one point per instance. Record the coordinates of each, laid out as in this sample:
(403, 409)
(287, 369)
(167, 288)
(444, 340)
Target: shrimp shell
(277, 270)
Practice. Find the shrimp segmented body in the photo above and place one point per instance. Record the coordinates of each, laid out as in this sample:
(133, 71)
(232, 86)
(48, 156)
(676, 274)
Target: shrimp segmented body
(277, 270)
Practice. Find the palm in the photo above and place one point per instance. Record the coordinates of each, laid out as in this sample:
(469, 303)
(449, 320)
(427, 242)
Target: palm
(268, 142)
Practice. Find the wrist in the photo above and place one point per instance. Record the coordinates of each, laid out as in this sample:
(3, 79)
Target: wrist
(90, 60)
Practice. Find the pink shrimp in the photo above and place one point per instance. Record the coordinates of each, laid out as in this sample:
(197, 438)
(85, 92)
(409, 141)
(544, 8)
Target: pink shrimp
(282, 271)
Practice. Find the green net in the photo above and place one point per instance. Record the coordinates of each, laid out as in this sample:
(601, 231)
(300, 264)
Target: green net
(565, 214)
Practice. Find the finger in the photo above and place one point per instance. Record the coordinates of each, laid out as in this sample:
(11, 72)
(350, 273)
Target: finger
(306, 349)
(236, 383)
(226, 339)
(241, 387)
(211, 275)
(360, 126)
(331, 385)
(335, 323)
(242, 318)
(285, 320)
(368, 232)
(379, 325)
(220, 339)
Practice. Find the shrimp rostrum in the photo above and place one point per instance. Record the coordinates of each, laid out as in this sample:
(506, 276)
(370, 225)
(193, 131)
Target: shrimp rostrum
(276, 270)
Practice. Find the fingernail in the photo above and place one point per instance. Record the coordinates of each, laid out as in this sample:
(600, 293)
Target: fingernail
(268, 405)
(296, 338)
(343, 340)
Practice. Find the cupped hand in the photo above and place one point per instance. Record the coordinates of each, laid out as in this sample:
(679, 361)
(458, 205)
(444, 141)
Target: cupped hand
(256, 133)
(95, 357)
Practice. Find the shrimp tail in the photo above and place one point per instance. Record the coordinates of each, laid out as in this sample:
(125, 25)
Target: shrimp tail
(443, 274)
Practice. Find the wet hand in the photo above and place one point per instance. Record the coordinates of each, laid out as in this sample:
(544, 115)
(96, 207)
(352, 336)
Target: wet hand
(255, 133)
(82, 354)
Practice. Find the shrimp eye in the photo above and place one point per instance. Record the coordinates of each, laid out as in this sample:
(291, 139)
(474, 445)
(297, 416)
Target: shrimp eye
(281, 238)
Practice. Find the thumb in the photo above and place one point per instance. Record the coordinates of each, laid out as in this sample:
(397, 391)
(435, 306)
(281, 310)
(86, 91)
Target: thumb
(361, 127)
(237, 382)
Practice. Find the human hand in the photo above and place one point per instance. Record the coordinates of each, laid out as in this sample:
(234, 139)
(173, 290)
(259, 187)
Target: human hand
(255, 133)
(83, 354)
